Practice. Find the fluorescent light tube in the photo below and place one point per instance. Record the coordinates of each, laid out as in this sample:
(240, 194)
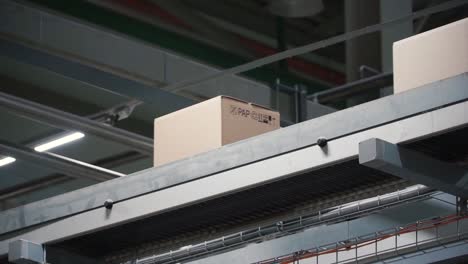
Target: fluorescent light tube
(6, 161)
(59, 142)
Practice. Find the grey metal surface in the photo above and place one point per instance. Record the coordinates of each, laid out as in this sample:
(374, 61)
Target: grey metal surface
(56, 162)
(244, 209)
(220, 184)
(56, 255)
(25, 252)
(413, 166)
(349, 89)
(333, 126)
(68, 121)
(383, 244)
(450, 253)
(315, 110)
(288, 226)
(11, 197)
(331, 233)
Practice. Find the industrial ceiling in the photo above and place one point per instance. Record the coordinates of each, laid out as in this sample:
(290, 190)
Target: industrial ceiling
(112, 57)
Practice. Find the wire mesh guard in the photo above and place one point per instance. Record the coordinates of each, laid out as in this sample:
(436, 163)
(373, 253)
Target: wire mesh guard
(291, 226)
(416, 236)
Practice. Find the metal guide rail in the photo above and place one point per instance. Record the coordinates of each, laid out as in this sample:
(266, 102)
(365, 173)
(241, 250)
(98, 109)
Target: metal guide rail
(264, 167)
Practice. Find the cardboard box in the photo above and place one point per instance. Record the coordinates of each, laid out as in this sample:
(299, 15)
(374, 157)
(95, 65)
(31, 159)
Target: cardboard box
(209, 125)
(431, 56)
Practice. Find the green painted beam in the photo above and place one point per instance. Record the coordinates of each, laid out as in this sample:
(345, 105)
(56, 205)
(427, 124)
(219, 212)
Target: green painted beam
(170, 40)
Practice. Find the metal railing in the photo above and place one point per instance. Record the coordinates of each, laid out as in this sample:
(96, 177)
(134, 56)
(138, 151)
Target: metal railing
(330, 253)
(290, 226)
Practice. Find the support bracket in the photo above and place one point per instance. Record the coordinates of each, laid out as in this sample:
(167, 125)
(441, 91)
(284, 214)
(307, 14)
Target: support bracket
(116, 113)
(414, 166)
(26, 252)
(462, 206)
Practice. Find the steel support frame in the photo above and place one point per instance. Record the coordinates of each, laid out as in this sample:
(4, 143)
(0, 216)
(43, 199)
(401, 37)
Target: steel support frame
(58, 163)
(455, 252)
(287, 226)
(237, 179)
(301, 103)
(105, 80)
(353, 88)
(413, 166)
(68, 121)
(321, 236)
(12, 194)
(462, 205)
(26, 252)
(62, 164)
(304, 135)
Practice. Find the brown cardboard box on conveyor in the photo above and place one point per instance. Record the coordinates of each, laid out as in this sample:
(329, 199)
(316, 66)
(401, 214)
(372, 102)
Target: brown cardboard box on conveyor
(431, 56)
(209, 125)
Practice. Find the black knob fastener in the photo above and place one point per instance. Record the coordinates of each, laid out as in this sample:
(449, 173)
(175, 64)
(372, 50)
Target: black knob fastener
(108, 204)
(322, 142)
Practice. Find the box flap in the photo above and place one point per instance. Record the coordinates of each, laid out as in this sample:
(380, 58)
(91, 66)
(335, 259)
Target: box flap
(250, 103)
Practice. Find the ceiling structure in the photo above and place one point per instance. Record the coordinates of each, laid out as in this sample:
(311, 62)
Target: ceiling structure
(218, 34)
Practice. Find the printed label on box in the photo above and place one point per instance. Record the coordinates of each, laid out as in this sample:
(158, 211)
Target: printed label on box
(257, 116)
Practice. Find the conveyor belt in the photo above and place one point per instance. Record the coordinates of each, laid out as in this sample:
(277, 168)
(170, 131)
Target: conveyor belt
(255, 180)
(265, 202)
(240, 209)
(280, 142)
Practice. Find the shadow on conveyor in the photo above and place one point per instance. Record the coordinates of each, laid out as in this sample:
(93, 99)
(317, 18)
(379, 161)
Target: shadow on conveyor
(209, 219)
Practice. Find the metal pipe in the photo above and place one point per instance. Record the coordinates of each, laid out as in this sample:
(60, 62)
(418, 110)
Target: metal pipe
(12, 193)
(333, 214)
(367, 69)
(30, 186)
(360, 86)
(63, 120)
(58, 163)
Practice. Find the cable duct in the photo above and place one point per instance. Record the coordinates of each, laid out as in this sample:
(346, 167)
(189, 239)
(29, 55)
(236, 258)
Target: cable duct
(282, 228)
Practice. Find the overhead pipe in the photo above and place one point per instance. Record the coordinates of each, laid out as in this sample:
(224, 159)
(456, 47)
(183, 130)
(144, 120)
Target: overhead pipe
(380, 80)
(67, 121)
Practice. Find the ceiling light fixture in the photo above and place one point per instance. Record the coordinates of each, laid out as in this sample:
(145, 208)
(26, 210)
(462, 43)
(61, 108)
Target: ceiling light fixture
(7, 160)
(59, 142)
